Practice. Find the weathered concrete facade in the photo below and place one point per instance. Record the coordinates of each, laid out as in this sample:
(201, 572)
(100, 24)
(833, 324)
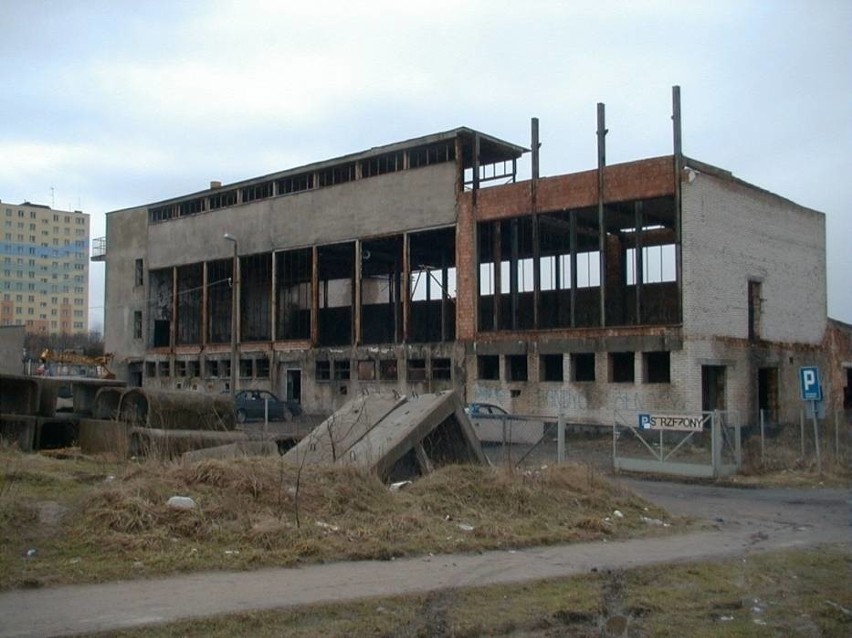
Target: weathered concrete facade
(662, 284)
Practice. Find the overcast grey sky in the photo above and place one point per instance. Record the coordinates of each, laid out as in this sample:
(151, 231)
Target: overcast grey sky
(111, 104)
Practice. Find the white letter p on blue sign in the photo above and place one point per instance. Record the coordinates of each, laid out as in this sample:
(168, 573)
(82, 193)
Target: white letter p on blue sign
(810, 386)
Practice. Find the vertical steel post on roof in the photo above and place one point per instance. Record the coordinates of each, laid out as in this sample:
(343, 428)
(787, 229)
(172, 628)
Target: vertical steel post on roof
(678, 204)
(601, 223)
(535, 229)
(513, 272)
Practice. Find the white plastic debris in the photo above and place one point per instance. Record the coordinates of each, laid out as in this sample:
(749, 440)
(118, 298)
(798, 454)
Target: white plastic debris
(465, 527)
(181, 503)
(618, 514)
(395, 487)
(652, 521)
(327, 526)
(31, 552)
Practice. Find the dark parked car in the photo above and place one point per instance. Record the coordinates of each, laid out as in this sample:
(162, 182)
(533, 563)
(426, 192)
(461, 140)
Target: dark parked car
(250, 406)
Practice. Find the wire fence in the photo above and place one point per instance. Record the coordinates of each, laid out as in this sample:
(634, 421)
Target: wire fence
(821, 443)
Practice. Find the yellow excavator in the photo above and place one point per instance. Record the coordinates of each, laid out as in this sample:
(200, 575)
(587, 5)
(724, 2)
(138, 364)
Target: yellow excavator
(69, 358)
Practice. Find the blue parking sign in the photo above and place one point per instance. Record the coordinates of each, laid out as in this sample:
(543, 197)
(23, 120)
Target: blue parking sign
(809, 382)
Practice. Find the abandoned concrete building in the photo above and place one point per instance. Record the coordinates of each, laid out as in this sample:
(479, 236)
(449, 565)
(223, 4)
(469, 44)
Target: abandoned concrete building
(659, 284)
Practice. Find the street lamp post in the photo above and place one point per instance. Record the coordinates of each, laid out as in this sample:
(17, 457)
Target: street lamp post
(235, 311)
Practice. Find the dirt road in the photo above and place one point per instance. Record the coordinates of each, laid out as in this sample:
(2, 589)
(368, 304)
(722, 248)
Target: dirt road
(737, 521)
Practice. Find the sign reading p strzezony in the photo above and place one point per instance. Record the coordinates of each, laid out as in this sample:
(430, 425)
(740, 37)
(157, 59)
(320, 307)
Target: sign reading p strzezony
(683, 422)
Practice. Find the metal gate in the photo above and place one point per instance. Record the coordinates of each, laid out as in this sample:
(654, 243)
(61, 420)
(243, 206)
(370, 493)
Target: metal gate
(701, 445)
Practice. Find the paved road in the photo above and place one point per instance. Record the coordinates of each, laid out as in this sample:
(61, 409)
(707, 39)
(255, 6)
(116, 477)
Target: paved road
(738, 520)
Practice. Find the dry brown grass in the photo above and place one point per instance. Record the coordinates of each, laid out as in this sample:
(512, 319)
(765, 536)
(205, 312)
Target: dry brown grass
(115, 522)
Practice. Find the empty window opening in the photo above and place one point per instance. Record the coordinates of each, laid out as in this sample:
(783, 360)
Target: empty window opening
(137, 324)
(551, 367)
(180, 368)
(658, 264)
(190, 282)
(432, 286)
(366, 370)
(150, 369)
(223, 199)
(582, 366)
(213, 368)
(219, 282)
(488, 367)
(194, 368)
(755, 305)
(431, 154)
(516, 367)
(442, 369)
(160, 306)
(139, 273)
(388, 370)
(246, 368)
(416, 369)
(322, 371)
(336, 294)
(381, 290)
(256, 297)
(621, 367)
(256, 191)
(293, 279)
(225, 368)
(191, 207)
(342, 370)
(657, 367)
(296, 183)
(387, 163)
(261, 367)
(163, 369)
(767, 393)
(337, 175)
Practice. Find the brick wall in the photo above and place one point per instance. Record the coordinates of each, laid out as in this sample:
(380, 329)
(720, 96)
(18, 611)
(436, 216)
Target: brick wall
(733, 233)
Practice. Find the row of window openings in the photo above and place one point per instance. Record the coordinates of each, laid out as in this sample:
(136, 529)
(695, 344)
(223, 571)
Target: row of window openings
(436, 369)
(79, 232)
(78, 325)
(387, 163)
(53, 312)
(213, 368)
(656, 367)
(658, 265)
(337, 370)
(67, 218)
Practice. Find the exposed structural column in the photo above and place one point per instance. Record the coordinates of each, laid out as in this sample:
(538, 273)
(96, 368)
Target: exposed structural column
(535, 223)
(601, 224)
(678, 203)
(235, 313)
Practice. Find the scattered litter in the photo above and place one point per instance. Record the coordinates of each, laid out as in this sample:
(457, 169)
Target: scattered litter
(726, 618)
(395, 487)
(109, 479)
(138, 564)
(448, 517)
(618, 514)
(31, 552)
(465, 527)
(181, 503)
(759, 621)
(654, 521)
(73, 561)
(333, 528)
(232, 552)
